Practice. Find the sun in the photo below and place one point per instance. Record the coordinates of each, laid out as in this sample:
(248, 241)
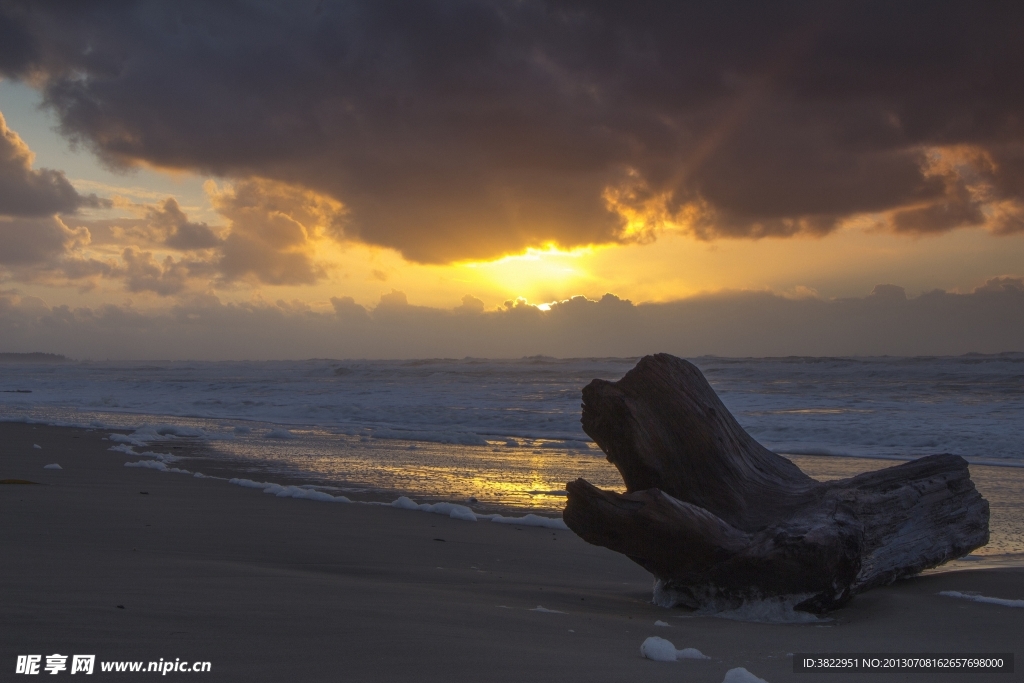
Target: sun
(537, 274)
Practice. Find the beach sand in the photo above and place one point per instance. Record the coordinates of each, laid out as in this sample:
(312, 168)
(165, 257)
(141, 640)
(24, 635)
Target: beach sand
(279, 589)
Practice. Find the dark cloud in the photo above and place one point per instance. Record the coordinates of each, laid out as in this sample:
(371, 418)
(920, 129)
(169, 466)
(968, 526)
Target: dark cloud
(470, 306)
(162, 226)
(181, 234)
(34, 241)
(887, 293)
(454, 129)
(33, 193)
(143, 273)
(347, 309)
(989, 319)
(31, 232)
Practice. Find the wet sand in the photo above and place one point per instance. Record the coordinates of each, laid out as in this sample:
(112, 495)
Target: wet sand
(277, 589)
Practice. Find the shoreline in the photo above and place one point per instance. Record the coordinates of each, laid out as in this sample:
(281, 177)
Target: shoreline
(168, 419)
(1003, 488)
(267, 588)
(382, 470)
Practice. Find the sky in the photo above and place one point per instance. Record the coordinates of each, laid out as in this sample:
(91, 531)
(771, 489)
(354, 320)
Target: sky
(255, 180)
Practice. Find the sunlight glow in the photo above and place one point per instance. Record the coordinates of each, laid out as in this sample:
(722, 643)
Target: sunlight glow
(537, 274)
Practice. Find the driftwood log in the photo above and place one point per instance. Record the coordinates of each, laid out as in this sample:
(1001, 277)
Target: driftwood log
(719, 519)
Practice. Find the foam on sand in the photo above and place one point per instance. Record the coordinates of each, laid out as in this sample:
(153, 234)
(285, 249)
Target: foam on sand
(249, 483)
(741, 675)
(530, 520)
(159, 462)
(767, 611)
(661, 650)
(35, 445)
(981, 598)
(289, 491)
(53, 466)
(129, 450)
(156, 465)
(545, 610)
(772, 610)
(462, 512)
(452, 510)
(147, 434)
(162, 457)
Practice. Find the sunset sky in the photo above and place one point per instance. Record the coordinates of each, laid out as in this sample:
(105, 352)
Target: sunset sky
(382, 179)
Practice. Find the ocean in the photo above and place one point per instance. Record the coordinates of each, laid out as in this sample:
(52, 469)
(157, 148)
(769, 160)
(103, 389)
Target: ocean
(505, 434)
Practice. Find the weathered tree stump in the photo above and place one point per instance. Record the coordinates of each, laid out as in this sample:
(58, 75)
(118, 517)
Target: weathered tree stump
(717, 518)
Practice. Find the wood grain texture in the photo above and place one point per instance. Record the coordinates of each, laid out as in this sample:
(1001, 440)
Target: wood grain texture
(715, 516)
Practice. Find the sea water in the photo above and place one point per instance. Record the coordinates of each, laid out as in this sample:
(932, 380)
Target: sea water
(505, 434)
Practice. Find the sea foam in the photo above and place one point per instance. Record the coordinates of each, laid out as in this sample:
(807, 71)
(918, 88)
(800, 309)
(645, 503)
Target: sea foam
(661, 650)
(456, 511)
(156, 465)
(289, 491)
(975, 597)
(741, 675)
(769, 610)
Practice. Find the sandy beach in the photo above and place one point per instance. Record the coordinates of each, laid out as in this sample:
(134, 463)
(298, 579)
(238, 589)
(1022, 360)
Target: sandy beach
(135, 564)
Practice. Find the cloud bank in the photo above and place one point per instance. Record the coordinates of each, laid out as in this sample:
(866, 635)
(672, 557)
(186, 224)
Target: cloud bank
(30, 231)
(456, 130)
(989, 319)
(29, 193)
(270, 236)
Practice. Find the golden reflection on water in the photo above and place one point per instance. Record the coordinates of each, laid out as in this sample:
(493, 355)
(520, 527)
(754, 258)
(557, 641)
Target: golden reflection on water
(531, 476)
